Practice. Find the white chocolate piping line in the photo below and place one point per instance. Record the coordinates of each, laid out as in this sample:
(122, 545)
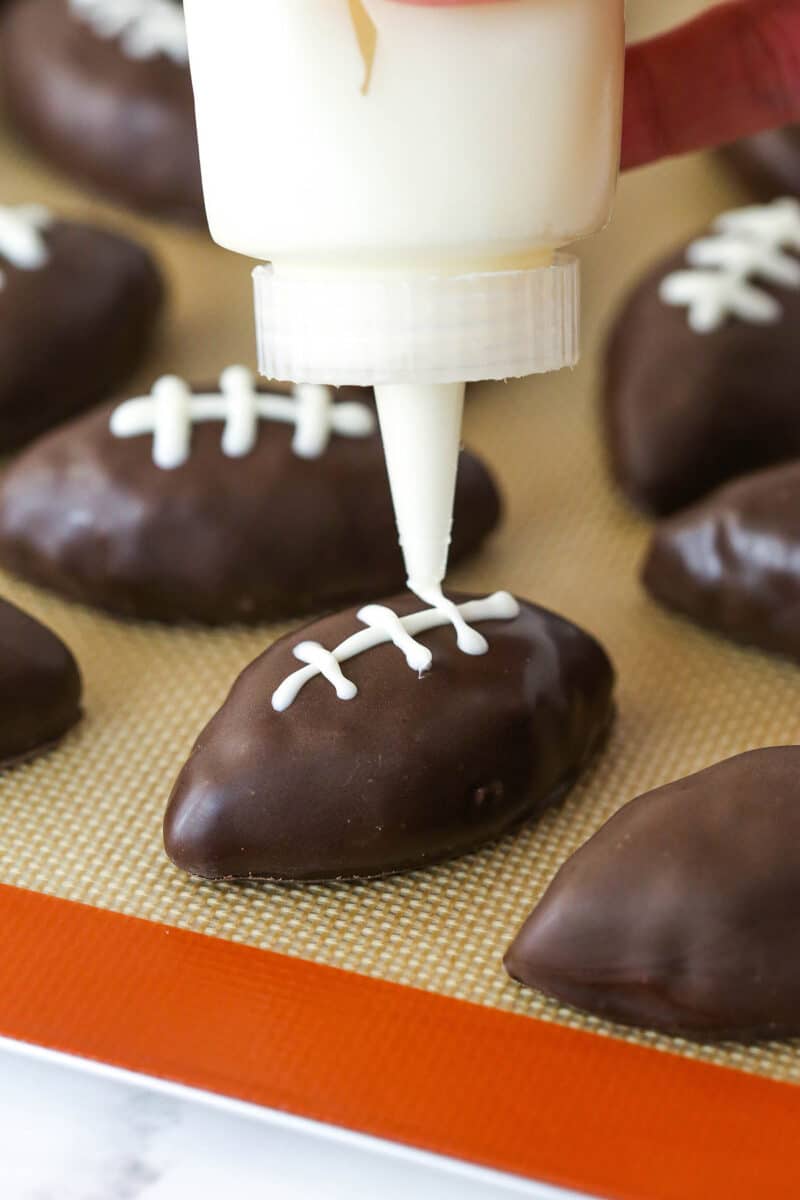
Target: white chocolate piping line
(21, 237)
(143, 28)
(384, 626)
(750, 244)
(171, 409)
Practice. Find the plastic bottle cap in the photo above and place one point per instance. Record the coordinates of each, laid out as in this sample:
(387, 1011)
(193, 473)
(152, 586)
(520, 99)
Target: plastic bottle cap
(389, 328)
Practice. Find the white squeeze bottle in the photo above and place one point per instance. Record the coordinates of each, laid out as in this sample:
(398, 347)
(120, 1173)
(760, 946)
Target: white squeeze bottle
(409, 172)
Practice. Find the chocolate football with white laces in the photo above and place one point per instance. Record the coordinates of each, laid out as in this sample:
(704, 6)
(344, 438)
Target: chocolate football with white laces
(103, 91)
(703, 361)
(390, 738)
(221, 504)
(78, 308)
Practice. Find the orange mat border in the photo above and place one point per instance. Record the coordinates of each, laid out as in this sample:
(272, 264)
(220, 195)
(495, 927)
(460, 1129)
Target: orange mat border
(569, 1108)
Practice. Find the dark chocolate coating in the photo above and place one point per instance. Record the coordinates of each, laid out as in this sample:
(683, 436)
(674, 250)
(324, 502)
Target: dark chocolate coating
(73, 330)
(412, 771)
(732, 562)
(40, 686)
(685, 412)
(219, 539)
(683, 913)
(122, 126)
(768, 163)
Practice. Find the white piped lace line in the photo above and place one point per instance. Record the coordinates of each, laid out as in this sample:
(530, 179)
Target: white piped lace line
(469, 640)
(144, 28)
(720, 281)
(322, 662)
(171, 410)
(712, 297)
(384, 626)
(22, 243)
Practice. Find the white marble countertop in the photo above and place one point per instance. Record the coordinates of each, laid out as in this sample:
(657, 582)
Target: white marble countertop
(66, 1134)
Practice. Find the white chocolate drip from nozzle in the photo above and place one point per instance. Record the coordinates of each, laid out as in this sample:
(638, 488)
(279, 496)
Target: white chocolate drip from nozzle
(421, 430)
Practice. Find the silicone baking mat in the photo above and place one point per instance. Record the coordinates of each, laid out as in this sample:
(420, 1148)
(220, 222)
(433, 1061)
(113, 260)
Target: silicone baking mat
(84, 822)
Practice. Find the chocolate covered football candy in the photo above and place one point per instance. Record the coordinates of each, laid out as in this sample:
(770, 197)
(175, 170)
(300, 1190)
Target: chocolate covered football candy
(78, 306)
(102, 89)
(703, 361)
(389, 738)
(769, 163)
(732, 561)
(682, 913)
(234, 503)
(40, 686)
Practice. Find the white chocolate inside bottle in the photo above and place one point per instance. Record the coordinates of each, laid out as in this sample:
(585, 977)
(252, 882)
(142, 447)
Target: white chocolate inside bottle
(487, 138)
(489, 134)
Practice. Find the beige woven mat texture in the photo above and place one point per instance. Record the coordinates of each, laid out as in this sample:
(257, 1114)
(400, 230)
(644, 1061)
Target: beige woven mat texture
(85, 822)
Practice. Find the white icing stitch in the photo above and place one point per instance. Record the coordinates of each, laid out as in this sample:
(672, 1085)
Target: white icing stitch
(171, 410)
(144, 28)
(383, 628)
(21, 236)
(712, 297)
(376, 616)
(777, 223)
(469, 640)
(744, 258)
(241, 420)
(172, 422)
(312, 430)
(750, 244)
(322, 662)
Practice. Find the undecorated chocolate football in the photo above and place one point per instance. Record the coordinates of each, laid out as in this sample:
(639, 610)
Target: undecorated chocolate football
(103, 91)
(233, 503)
(732, 561)
(78, 307)
(683, 913)
(703, 361)
(40, 686)
(364, 745)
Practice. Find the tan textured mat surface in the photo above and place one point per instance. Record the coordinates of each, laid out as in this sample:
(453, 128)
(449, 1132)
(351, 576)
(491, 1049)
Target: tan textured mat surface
(84, 822)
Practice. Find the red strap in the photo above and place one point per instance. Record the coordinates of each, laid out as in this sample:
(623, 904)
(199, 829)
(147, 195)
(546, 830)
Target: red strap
(733, 71)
